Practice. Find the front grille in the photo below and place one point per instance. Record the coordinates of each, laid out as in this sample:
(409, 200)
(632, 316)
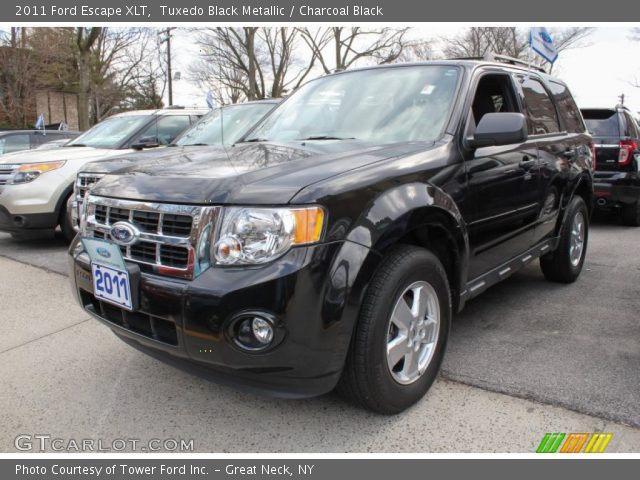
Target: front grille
(6, 172)
(149, 326)
(84, 182)
(167, 235)
(146, 221)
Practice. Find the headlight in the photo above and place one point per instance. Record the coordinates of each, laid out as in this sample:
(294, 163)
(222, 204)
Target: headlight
(251, 236)
(30, 171)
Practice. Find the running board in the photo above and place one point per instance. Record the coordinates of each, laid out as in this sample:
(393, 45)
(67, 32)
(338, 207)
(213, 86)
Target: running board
(480, 284)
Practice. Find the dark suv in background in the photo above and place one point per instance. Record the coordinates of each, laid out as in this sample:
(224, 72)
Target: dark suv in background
(616, 179)
(333, 243)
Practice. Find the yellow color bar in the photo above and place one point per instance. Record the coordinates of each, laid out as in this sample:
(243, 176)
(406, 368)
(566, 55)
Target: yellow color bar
(598, 442)
(606, 441)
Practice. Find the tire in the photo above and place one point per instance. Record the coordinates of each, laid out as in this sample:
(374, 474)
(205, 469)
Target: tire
(631, 215)
(65, 220)
(564, 264)
(367, 379)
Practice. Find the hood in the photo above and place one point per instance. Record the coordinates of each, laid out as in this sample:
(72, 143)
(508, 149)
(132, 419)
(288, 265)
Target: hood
(254, 173)
(123, 160)
(57, 154)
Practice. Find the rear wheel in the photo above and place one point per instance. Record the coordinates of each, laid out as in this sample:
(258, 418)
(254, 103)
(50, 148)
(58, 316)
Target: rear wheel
(631, 215)
(565, 263)
(401, 334)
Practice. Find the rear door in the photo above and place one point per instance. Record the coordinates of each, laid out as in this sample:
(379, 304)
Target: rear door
(562, 143)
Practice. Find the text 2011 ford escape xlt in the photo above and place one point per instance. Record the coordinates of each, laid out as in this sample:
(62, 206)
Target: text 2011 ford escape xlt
(332, 245)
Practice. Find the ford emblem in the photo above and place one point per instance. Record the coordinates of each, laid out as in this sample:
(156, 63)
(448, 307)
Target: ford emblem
(546, 38)
(103, 252)
(124, 233)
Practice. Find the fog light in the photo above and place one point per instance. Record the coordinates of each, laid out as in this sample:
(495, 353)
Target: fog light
(255, 331)
(262, 330)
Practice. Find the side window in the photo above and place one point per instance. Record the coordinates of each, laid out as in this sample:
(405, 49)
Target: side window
(567, 107)
(14, 143)
(494, 93)
(166, 128)
(632, 127)
(541, 112)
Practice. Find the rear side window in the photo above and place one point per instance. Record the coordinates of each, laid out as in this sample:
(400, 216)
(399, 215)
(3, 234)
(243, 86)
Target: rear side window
(632, 126)
(602, 122)
(567, 108)
(541, 112)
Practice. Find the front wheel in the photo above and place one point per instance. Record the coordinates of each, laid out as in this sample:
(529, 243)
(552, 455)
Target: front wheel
(401, 334)
(66, 222)
(565, 263)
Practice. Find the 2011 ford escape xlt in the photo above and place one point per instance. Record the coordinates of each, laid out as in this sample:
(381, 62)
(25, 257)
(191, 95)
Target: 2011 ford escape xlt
(332, 244)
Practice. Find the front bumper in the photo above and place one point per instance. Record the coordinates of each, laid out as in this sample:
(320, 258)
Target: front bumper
(32, 206)
(185, 322)
(616, 188)
(13, 223)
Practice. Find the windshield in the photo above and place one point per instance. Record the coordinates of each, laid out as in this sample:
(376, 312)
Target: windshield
(602, 123)
(110, 133)
(384, 105)
(237, 120)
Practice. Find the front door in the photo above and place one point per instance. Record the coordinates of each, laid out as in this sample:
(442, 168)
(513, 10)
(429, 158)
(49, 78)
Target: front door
(502, 184)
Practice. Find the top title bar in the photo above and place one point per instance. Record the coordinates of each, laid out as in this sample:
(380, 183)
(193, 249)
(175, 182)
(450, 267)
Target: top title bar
(300, 11)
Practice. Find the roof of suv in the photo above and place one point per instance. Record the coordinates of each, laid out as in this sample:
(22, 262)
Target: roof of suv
(164, 111)
(469, 63)
(44, 132)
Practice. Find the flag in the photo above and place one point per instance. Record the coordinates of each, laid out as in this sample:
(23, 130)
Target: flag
(210, 102)
(541, 43)
(40, 122)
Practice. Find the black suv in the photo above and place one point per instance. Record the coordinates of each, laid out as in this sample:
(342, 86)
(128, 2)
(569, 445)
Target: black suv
(616, 179)
(332, 244)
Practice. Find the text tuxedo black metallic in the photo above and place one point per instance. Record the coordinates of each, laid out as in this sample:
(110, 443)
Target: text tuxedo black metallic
(427, 184)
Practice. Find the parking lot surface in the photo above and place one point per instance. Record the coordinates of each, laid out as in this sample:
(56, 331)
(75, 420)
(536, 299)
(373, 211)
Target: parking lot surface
(525, 358)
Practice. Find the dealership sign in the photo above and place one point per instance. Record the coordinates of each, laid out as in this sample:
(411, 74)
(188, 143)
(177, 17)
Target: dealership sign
(542, 43)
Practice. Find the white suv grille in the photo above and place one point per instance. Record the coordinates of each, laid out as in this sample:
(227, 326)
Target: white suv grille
(6, 172)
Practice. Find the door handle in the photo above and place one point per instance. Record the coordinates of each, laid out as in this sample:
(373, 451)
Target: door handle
(527, 162)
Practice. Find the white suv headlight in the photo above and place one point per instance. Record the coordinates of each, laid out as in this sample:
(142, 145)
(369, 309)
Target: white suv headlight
(251, 236)
(28, 172)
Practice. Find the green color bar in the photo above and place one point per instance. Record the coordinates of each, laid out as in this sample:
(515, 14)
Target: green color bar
(543, 443)
(557, 443)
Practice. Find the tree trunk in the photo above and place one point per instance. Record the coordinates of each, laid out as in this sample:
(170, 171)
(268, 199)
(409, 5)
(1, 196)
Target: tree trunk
(84, 83)
(250, 33)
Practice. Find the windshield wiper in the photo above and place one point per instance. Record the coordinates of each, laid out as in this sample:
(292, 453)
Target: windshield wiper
(197, 145)
(76, 145)
(326, 137)
(254, 140)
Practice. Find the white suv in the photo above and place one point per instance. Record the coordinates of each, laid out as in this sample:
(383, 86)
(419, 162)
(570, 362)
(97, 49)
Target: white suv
(35, 186)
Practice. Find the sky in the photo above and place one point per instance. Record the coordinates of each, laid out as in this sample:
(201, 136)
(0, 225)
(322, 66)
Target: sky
(597, 73)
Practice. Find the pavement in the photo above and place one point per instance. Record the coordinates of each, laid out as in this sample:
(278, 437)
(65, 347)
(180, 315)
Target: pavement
(525, 358)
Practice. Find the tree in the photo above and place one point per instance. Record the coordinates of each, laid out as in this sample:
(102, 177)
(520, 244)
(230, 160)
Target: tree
(32, 59)
(510, 41)
(123, 61)
(338, 48)
(85, 40)
(249, 63)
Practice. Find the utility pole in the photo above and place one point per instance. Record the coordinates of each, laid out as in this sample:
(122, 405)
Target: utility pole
(167, 31)
(621, 98)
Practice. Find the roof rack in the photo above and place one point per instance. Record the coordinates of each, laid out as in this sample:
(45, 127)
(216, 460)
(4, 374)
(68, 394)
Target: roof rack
(494, 57)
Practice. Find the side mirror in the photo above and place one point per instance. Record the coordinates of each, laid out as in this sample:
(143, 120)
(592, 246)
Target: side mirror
(501, 128)
(145, 142)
